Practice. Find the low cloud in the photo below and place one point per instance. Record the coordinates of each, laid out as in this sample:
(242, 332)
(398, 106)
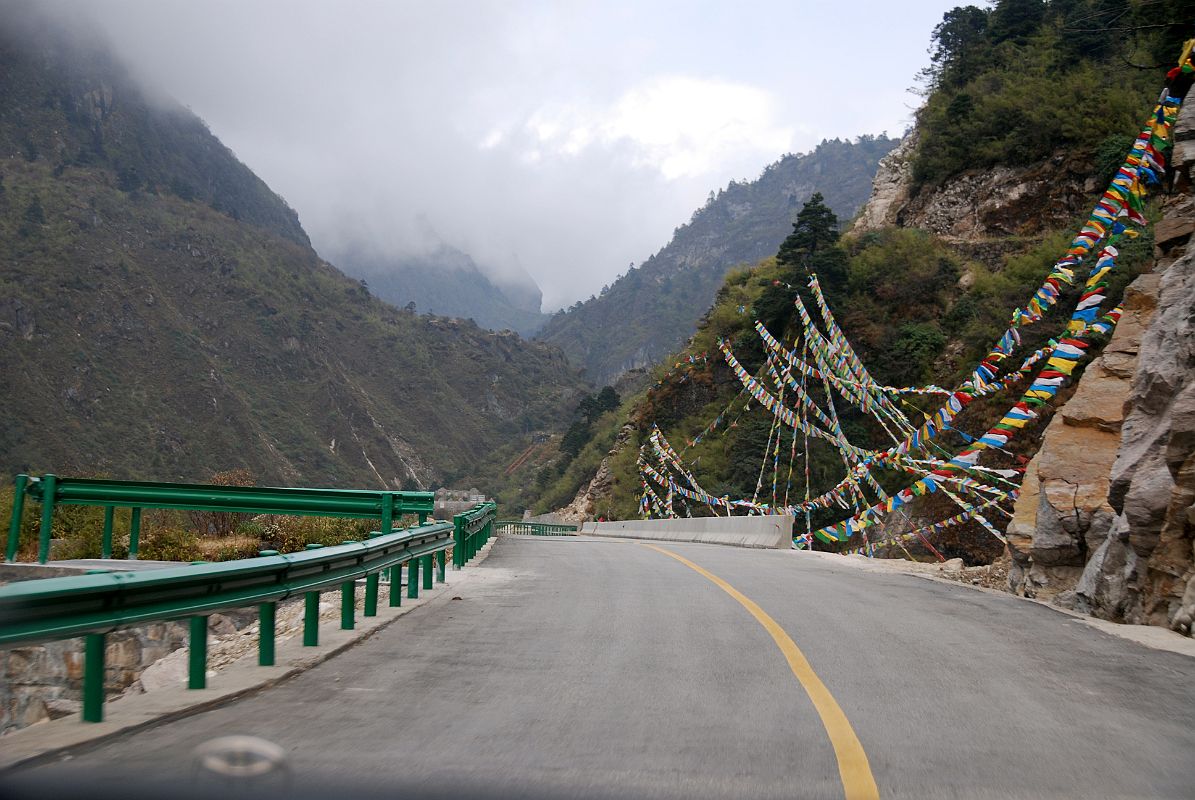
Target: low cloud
(566, 139)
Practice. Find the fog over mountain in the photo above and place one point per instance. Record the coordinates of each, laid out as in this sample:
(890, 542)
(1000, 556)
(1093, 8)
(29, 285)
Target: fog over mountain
(564, 139)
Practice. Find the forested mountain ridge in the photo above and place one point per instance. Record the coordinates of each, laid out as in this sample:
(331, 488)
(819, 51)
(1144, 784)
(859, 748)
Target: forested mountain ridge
(162, 314)
(652, 309)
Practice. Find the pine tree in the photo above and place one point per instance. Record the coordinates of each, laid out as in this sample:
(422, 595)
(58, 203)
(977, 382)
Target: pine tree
(815, 231)
(958, 47)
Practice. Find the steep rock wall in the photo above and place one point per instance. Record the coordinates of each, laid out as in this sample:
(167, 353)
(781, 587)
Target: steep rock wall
(1063, 514)
(1106, 520)
(889, 189)
(1153, 480)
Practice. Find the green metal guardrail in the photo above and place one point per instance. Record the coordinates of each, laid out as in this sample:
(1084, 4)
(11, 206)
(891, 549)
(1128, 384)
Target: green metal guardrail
(521, 528)
(95, 604)
(51, 490)
(471, 531)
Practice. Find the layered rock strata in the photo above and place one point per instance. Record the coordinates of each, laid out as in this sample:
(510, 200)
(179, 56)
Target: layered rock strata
(1106, 520)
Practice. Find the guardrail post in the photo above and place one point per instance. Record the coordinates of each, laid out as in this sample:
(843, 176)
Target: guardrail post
(18, 509)
(422, 517)
(387, 528)
(371, 594)
(348, 605)
(458, 538)
(413, 578)
(311, 613)
(93, 677)
(427, 571)
(396, 586)
(373, 580)
(311, 619)
(134, 532)
(49, 485)
(387, 513)
(267, 613)
(441, 562)
(197, 657)
(106, 542)
(348, 602)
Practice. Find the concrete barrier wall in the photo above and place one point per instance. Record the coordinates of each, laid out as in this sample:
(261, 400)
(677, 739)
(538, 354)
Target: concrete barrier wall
(774, 531)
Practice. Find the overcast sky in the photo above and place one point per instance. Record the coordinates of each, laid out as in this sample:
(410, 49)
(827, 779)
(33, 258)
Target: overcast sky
(566, 139)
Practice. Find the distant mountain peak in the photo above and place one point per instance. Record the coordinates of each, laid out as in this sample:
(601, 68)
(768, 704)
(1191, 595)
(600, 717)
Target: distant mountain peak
(448, 282)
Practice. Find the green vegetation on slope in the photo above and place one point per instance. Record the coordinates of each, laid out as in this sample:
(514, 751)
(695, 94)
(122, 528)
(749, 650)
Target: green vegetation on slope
(915, 309)
(155, 337)
(1013, 84)
(1009, 86)
(68, 103)
(652, 309)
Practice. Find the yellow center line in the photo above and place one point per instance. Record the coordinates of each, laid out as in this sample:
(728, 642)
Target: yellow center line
(857, 780)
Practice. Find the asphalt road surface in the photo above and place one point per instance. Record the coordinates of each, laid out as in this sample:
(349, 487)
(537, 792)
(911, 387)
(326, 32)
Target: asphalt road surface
(601, 668)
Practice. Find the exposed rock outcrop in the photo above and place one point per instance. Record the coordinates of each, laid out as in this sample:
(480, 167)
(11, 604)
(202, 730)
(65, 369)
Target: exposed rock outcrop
(585, 505)
(980, 203)
(1106, 520)
(889, 189)
(1063, 514)
(1153, 480)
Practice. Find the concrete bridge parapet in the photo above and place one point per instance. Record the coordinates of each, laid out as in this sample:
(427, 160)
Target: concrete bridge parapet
(772, 531)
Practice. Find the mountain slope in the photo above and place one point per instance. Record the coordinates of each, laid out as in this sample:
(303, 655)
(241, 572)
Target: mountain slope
(162, 314)
(69, 103)
(651, 310)
(932, 270)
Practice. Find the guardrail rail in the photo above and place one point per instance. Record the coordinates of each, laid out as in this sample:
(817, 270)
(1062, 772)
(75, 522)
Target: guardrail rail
(52, 490)
(471, 531)
(102, 601)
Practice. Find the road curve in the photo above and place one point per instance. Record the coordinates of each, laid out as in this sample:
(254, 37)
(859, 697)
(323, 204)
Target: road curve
(582, 667)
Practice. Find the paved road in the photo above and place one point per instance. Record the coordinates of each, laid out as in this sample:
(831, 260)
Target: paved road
(583, 667)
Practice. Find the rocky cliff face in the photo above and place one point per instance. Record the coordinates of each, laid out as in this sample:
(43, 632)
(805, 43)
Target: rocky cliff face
(1063, 514)
(889, 189)
(1106, 520)
(978, 204)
